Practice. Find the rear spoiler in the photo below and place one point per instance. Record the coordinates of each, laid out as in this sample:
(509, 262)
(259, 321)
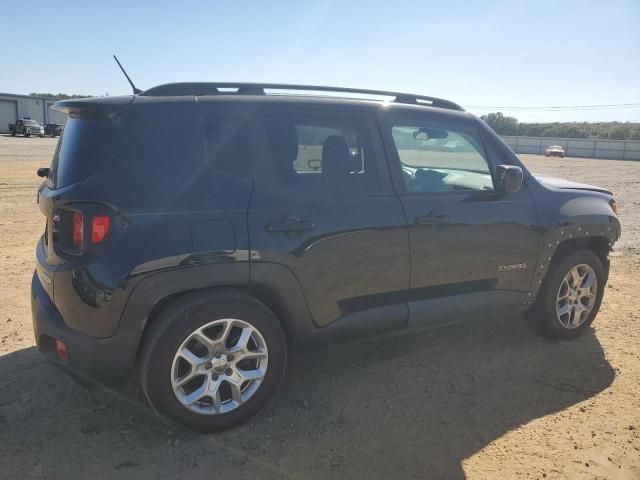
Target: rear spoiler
(97, 105)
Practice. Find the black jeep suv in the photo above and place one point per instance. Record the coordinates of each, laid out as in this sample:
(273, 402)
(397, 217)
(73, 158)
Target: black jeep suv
(204, 231)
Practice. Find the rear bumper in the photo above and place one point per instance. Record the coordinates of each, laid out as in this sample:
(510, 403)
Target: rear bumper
(106, 360)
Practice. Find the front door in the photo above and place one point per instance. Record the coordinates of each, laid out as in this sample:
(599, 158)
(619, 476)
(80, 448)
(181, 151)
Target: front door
(323, 206)
(473, 248)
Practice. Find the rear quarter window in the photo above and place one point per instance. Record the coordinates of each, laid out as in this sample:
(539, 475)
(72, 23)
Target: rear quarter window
(83, 149)
(158, 154)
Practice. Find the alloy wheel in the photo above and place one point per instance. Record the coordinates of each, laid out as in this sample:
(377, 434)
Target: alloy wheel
(219, 366)
(576, 296)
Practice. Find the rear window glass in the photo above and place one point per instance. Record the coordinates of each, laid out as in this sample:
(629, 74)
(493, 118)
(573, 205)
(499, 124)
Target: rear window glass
(83, 149)
(320, 153)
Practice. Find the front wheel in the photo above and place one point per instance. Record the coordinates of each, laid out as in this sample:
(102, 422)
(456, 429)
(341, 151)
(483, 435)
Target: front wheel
(570, 296)
(213, 359)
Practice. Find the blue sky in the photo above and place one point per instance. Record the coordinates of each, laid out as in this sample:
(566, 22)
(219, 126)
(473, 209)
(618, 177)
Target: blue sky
(477, 53)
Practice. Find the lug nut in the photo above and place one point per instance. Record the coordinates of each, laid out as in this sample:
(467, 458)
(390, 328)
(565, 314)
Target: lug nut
(228, 371)
(214, 377)
(208, 365)
(229, 357)
(217, 354)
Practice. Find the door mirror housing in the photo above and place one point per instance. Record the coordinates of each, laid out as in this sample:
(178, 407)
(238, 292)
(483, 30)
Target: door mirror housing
(509, 178)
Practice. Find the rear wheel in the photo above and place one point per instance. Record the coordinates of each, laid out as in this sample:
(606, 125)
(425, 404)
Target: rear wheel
(571, 296)
(212, 360)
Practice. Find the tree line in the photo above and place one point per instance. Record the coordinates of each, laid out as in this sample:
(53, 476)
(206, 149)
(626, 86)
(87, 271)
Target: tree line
(505, 125)
(58, 96)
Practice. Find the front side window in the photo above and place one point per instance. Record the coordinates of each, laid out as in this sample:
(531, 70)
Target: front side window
(441, 159)
(320, 153)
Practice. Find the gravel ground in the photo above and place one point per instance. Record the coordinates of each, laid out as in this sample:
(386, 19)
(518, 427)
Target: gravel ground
(484, 400)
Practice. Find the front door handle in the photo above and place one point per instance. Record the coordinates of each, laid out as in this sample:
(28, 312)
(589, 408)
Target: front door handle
(290, 224)
(433, 220)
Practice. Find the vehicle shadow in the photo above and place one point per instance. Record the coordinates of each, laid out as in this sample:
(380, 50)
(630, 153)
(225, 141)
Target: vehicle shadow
(410, 406)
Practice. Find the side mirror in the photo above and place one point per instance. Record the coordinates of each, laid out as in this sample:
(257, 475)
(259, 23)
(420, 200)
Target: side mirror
(43, 172)
(509, 178)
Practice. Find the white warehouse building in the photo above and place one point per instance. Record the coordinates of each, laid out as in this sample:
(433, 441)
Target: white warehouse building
(13, 107)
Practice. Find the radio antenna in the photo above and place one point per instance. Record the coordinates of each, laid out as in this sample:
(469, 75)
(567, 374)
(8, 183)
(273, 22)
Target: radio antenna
(135, 89)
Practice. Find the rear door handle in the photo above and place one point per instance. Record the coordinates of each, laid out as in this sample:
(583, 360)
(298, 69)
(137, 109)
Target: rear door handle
(433, 220)
(290, 224)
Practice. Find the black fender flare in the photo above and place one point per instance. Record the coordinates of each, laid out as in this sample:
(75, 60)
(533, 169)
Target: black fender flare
(157, 288)
(578, 230)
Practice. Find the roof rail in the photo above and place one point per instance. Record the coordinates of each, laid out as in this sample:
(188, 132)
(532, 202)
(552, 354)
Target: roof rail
(239, 88)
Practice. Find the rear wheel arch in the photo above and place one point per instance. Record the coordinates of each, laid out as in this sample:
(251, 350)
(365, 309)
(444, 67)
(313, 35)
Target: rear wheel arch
(185, 317)
(264, 294)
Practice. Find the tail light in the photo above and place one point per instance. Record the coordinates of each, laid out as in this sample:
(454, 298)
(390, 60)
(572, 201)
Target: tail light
(81, 229)
(78, 231)
(99, 228)
(61, 351)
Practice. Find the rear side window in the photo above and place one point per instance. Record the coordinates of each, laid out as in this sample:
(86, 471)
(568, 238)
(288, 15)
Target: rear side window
(320, 153)
(83, 149)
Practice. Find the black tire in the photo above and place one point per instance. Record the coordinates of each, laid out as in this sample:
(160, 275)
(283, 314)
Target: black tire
(13, 133)
(27, 134)
(179, 320)
(542, 316)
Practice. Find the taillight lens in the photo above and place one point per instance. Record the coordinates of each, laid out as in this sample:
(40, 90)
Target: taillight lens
(99, 228)
(78, 230)
(61, 351)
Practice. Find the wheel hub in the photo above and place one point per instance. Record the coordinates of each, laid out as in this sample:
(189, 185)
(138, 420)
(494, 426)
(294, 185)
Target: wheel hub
(219, 365)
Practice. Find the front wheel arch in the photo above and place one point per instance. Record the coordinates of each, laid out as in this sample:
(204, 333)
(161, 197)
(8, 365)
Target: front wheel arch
(541, 315)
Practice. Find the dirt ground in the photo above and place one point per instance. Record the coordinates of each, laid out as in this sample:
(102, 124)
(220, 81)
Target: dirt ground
(485, 400)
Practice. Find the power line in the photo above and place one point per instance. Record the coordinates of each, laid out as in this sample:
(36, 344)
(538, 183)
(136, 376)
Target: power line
(610, 106)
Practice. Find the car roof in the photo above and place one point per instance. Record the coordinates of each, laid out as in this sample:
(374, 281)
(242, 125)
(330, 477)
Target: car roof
(284, 96)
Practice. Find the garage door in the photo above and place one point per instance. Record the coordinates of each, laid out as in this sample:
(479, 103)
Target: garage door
(8, 114)
(55, 116)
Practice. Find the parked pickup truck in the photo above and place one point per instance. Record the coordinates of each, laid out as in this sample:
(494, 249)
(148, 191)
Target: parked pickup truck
(53, 129)
(26, 127)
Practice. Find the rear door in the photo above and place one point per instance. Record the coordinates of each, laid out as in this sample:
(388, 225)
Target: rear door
(473, 248)
(323, 207)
